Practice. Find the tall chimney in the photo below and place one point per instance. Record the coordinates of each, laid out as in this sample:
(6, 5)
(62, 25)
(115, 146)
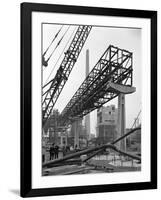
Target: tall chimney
(87, 117)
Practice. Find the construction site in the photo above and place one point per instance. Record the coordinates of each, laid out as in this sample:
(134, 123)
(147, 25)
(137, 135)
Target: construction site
(84, 129)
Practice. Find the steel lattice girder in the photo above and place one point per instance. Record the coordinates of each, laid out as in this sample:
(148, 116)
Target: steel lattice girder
(56, 85)
(115, 66)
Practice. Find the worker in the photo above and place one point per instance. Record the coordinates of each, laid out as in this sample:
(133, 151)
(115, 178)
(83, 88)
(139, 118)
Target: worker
(43, 154)
(68, 52)
(76, 148)
(60, 75)
(56, 151)
(52, 151)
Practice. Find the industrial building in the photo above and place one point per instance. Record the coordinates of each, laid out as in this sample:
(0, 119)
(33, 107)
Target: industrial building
(107, 123)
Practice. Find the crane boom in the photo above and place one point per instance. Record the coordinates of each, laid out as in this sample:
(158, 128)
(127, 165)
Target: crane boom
(70, 57)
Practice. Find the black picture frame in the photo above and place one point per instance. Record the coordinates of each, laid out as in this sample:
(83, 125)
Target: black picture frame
(26, 104)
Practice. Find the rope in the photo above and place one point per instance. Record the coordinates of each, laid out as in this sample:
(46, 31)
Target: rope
(56, 35)
(136, 119)
(57, 44)
(59, 58)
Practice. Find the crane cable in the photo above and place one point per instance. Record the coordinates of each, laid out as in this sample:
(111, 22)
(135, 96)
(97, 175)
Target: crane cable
(56, 35)
(136, 119)
(58, 59)
(57, 44)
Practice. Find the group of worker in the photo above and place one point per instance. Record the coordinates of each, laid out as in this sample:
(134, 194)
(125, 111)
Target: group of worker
(54, 151)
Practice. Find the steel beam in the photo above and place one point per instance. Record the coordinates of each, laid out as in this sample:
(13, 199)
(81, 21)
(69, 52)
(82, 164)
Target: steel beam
(114, 66)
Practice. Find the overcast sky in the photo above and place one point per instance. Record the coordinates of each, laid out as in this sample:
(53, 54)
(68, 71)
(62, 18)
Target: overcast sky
(98, 41)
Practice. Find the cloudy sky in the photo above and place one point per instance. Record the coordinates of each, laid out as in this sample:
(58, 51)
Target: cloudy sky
(98, 41)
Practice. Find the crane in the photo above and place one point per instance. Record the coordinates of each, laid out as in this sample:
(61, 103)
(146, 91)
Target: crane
(56, 85)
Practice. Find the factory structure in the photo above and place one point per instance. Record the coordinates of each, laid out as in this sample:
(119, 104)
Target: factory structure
(107, 129)
(68, 135)
(107, 123)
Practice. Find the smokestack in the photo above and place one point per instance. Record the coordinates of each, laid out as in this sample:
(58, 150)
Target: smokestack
(87, 62)
(87, 117)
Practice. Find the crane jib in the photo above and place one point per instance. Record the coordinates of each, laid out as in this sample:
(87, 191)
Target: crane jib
(66, 66)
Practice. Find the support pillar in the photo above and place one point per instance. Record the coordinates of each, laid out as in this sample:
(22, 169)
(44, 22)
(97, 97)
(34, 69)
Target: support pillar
(121, 121)
(121, 125)
(76, 133)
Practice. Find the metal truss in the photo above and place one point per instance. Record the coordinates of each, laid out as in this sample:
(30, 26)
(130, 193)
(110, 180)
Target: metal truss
(114, 66)
(56, 85)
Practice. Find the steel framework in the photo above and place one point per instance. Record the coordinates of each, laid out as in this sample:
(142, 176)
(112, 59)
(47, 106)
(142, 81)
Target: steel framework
(56, 85)
(115, 66)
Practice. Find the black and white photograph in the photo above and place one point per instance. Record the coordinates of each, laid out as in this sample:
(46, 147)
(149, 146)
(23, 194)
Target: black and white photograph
(80, 100)
(88, 100)
(91, 99)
